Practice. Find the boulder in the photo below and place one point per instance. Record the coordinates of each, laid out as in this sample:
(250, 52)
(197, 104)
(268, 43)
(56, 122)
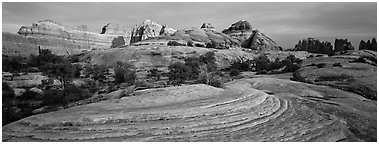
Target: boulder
(18, 91)
(36, 90)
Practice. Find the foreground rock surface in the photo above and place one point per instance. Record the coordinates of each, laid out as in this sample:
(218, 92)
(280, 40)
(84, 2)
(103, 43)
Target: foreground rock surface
(260, 109)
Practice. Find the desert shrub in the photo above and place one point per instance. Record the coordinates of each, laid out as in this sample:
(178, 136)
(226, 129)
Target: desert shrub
(69, 94)
(77, 70)
(337, 65)
(96, 72)
(45, 57)
(124, 73)
(199, 45)
(28, 95)
(175, 43)
(193, 64)
(216, 81)
(190, 43)
(73, 58)
(7, 94)
(154, 73)
(234, 72)
(320, 65)
(52, 97)
(178, 73)
(63, 71)
(117, 42)
(13, 64)
(142, 84)
(262, 63)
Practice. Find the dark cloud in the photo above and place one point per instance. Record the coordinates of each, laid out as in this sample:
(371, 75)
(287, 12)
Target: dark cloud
(286, 23)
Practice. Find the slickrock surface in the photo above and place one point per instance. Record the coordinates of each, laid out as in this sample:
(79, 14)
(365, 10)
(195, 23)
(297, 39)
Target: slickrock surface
(261, 109)
(351, 76)
(60, 39)
(162, 56)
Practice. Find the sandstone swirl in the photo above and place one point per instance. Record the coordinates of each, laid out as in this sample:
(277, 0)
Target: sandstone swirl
(260, 109)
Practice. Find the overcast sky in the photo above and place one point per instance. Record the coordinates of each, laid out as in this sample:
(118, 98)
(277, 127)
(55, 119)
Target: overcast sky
(285, 23)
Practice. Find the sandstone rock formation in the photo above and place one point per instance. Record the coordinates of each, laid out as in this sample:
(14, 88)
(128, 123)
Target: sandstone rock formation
(149, 29)
(367, 45)
(252, 39)
(314, 46)
(260, 41)
(207, 26)
(342, 45)
(60, 39)
(260, 109)
(238, 28)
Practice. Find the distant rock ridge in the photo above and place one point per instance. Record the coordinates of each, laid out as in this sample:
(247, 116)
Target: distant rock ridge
(314, 46)
(368, 45)
(342, 45)
(149, 29)
(62, 39)
(207, 26)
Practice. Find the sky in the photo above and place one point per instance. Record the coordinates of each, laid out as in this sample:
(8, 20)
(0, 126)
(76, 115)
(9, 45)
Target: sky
(286, 22)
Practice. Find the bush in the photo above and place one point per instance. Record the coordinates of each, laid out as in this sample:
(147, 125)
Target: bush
(175, 43)
(262, 63)
(13, 64)
(69, 94)
(154, 73)
(199, 45)
(337, 65)
(234, 72)
(320, 65)
(193, 64)
(190, 43)
(96, 72)
(124, 73)
(118, 42)
(216, 81)
(178, 73)
(28, 95)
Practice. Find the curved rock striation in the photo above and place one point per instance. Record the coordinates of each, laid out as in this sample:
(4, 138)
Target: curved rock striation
(60, 39)
(247, 110)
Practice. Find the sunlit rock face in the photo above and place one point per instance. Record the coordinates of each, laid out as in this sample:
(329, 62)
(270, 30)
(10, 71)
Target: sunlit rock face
(149, 29)
(249, 38)
(259, 109)
(61, 39)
